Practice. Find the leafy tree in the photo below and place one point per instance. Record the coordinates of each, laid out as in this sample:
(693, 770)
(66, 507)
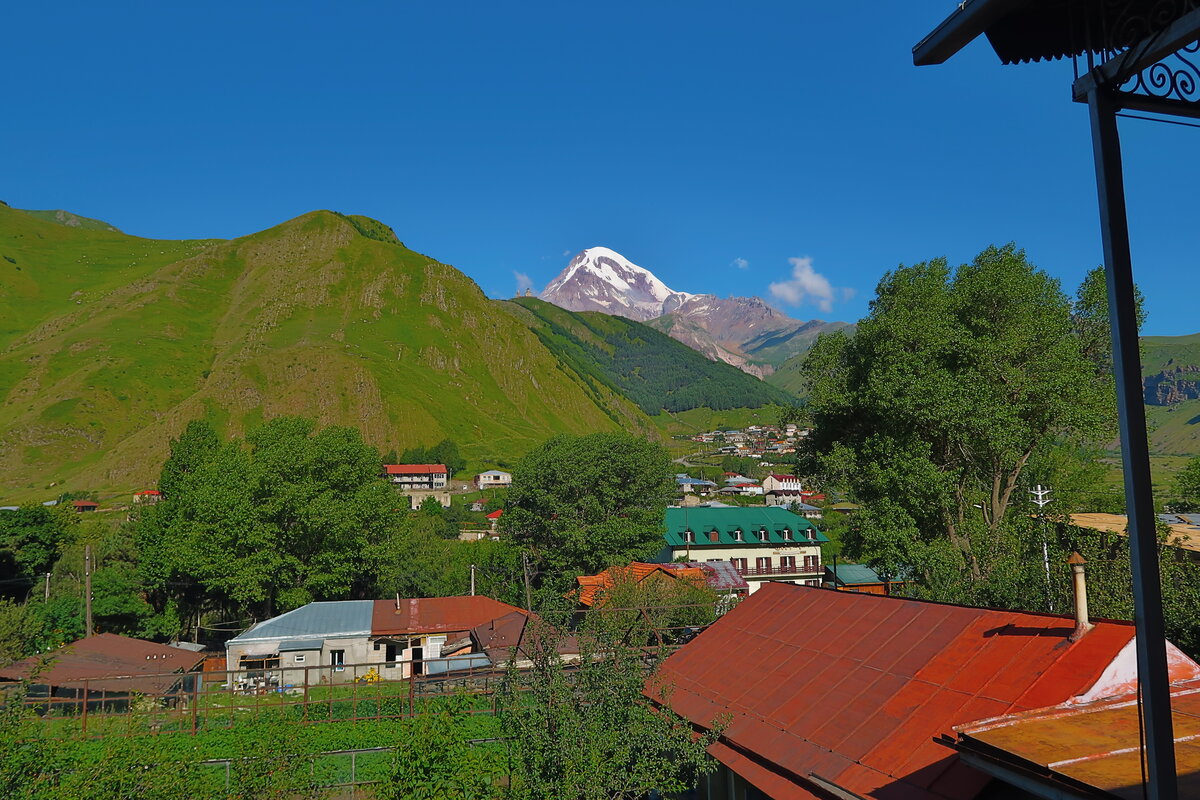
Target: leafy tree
(288, 516)
(582, 503)
(655, 611)
(444, 452)
(930, 415)
(591, 732)
(33, 537)
(196, 446)
(1090, 319)
(19, 629)
(1187, 486)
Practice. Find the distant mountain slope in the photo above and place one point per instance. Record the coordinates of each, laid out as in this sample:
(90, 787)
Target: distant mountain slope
(110, 343)
(742, 331)
(72, 220)
(652, 369)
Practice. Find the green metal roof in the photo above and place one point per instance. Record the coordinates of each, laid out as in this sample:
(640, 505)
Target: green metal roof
(854, 574)
(726, 521)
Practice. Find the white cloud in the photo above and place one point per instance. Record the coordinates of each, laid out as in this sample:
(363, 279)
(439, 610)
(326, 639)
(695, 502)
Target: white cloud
(807, 286)
(739, 262)
(566, 253)
(523, 282)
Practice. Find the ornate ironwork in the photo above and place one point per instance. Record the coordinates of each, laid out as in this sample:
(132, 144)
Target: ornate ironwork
(1176, 77)
(1115, 29)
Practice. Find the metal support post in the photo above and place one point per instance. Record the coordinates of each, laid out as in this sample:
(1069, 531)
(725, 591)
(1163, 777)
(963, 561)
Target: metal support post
(87, 588)
(1143, 539)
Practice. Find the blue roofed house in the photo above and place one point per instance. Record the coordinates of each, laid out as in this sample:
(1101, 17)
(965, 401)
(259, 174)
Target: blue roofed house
(764, 543)
(341, 641)
(688, 485)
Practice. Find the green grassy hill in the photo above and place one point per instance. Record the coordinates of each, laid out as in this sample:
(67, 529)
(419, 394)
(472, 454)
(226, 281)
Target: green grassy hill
(653, 370)
(109, 344)
(72, 220)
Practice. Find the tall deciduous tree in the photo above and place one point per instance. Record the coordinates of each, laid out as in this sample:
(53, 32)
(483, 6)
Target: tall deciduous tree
(288, 516)
(955, 380)
(583, 503)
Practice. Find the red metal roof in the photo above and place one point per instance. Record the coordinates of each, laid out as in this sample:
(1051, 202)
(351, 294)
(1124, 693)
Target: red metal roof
(415, 469)
(436, 614)
(853, 687)
(104, 659)
(1097, 744)
(499, 512)
(86, 504)
(592, 587)
(149, 491)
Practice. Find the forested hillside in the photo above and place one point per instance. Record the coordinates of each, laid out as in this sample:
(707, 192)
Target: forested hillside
(650, 368)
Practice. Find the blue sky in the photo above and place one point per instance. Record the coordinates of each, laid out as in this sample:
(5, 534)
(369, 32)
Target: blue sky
(502, 138)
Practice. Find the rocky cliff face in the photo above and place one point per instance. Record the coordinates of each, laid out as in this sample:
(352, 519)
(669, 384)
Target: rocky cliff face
(1172, 385)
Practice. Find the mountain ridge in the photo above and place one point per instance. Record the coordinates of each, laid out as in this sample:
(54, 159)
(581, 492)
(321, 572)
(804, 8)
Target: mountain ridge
(746, 332)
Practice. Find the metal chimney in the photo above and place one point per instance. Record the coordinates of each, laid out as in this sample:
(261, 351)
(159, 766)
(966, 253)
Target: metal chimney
(1082, 624)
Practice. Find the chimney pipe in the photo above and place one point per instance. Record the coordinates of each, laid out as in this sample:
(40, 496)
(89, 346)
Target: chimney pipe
(1082, 624)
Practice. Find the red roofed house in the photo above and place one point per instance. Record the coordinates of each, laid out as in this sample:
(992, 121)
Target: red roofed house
(85, 505)
(147, 496)
(108, 666)
(791, 483)
(836, 694)
(427, 477)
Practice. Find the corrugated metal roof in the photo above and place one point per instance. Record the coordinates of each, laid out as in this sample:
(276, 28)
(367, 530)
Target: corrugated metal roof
(854, 687)
(435, 614)
(725, 520)
(854, 574)
(107, 656)
(1098, 744)
(593, 587)
(721, 576)
(415, 469)
(301, 644)
(315, 620)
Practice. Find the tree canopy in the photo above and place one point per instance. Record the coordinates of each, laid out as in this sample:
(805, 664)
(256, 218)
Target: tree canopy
(288, 515)
(954, 383)
(582, 503)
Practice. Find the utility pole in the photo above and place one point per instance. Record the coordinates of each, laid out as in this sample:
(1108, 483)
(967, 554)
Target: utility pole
(525, 572)
(472, 579)
(87, 587)
(47, 587)
(1041, 496)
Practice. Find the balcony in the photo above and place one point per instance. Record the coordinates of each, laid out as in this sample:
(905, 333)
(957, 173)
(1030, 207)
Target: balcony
(799, 569)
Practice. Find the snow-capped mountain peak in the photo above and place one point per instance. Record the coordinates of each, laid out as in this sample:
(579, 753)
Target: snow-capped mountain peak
(601, 279)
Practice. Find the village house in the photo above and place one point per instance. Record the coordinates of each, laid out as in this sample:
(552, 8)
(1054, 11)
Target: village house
(789, 483)
(849, 695)
(424, 477)
(83, 506)
(493, 479)
(688, 485)
(859, 578)
(147, 496)
(762, 543)
(793, 501)
(720, 576)
(106, 671)
(342, 641)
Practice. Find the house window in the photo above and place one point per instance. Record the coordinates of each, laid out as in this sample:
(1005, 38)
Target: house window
(787, 563)
(689, 536)
(812, 563)
(337, 660)
(737, 535)
(299, 659)
(787, 534)
(739, 564)
(764, 535)
(763, 564)
(389, 655)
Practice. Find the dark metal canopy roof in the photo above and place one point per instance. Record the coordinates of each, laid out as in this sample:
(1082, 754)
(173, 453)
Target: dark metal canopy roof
(1033, 30)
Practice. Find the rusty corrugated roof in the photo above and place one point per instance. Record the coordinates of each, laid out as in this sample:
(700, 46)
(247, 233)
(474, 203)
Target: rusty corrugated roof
(435, 614)
(108, 662)
(593, 587)
(854, 688)
(1096, 744)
